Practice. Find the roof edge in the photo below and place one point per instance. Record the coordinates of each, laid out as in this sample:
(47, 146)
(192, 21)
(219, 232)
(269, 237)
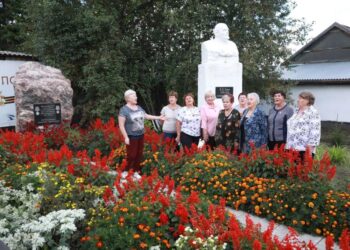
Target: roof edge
(344, 28)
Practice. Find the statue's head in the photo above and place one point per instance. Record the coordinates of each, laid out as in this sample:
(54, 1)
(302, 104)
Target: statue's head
(221, 32)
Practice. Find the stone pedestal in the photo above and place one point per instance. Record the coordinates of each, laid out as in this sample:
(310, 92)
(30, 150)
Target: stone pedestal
(220, 71)
(215, 75)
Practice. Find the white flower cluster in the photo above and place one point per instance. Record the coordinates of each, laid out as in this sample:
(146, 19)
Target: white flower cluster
(211, 243)
(22, 227)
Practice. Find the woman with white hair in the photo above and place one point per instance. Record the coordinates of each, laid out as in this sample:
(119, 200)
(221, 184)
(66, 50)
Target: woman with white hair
(253, 125)
(131, 124)
(209, 115)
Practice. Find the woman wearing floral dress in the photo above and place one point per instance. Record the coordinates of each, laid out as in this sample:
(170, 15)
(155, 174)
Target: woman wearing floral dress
(188, 124)
(227, 128)
(253, 125)
(304, 127)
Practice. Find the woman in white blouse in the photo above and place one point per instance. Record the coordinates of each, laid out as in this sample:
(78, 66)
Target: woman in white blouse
(188, 124)
(304, 127)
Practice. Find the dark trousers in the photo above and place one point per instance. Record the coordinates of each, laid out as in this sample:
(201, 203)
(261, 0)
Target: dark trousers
(169, 136)
(134, 153)
(302, 156)
(271, 144)
(187, 140)
(211, 142)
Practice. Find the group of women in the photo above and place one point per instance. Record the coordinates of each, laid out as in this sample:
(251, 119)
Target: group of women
(237, 128)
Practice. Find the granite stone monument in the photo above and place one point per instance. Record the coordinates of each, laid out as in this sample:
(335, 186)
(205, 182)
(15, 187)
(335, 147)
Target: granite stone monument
(43, 95)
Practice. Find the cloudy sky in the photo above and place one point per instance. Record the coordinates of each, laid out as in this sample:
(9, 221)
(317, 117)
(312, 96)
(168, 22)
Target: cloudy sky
(323, 13)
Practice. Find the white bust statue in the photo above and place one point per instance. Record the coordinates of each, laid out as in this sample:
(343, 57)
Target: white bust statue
(220, 49)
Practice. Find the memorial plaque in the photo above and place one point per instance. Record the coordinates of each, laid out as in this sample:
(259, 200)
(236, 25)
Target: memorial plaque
(220, 91)
(47, 113)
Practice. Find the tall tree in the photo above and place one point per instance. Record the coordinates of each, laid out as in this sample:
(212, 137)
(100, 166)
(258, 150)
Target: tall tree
(84, 42)
(11, 16)
(105, 47)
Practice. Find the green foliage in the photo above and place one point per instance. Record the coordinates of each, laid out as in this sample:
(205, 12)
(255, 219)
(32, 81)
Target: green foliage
(337, 154)
(84, 42)
(11, 18)
(337, 136)
(105, 47)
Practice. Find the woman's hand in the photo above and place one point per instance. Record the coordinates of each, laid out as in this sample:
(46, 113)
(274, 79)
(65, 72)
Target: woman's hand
(127, 141)
(205, 137)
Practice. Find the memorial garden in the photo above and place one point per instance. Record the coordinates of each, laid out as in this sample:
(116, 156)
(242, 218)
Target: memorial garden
(63, 154)
(65, 187)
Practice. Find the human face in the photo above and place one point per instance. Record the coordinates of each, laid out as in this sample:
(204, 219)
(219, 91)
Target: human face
(226, 103)
(243, 100)
(132, 99)
(210, 99)
(278, 99)
(302, 103)
(172, 100)
(221, 32)
(251, 102)
(189, 100)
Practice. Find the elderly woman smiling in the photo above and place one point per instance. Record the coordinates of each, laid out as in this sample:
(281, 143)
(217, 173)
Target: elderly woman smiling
(188, 124)
(227, 129)
(131, 124)
(209, 115)
(253, 125)
(304, 127)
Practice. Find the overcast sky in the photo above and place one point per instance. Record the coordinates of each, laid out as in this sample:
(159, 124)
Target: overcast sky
(323, 13)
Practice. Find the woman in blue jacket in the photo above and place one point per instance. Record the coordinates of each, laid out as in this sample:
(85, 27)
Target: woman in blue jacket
(253, 125)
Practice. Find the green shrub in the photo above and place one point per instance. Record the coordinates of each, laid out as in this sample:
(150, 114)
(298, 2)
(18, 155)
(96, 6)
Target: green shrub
(337, 136)
(337, 154)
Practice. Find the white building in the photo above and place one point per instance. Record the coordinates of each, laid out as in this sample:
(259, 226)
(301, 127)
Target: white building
(323, 67)
(9, 64)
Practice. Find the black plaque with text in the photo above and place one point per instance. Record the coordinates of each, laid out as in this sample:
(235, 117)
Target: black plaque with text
(47, 113)
(220, 91)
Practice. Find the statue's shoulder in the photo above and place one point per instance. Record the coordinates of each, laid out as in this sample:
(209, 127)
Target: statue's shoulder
(209, 43)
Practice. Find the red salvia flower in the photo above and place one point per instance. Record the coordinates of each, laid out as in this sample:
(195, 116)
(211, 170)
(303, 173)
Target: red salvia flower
(163, 218)
(256, 245)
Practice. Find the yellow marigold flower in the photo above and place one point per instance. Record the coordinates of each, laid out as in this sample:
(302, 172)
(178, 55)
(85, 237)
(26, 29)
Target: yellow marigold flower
(318, 231)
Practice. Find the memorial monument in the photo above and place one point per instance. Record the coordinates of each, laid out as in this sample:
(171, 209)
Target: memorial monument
(43, 95)
(220, 70)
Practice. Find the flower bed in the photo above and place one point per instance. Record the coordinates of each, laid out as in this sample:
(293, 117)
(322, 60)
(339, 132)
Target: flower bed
(81, 171)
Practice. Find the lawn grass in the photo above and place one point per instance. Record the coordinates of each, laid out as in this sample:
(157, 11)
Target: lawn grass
(340, 156)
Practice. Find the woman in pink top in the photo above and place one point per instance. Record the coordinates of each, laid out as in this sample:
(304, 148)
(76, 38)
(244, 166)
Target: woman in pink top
(209, 115)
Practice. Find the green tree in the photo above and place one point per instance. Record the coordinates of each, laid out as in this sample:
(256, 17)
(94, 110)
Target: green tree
(84, 42)
(11, 16)
(153, 46)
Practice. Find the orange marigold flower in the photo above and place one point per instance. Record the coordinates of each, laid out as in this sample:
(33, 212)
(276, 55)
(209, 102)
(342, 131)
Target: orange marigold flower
(136, 236)
(143, 245)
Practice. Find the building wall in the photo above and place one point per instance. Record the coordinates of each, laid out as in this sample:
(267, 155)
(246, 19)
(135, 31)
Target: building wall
(332, 102)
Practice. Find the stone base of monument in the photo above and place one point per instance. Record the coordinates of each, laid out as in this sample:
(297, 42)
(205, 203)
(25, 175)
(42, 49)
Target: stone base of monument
(43, 95)
(220, 78)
